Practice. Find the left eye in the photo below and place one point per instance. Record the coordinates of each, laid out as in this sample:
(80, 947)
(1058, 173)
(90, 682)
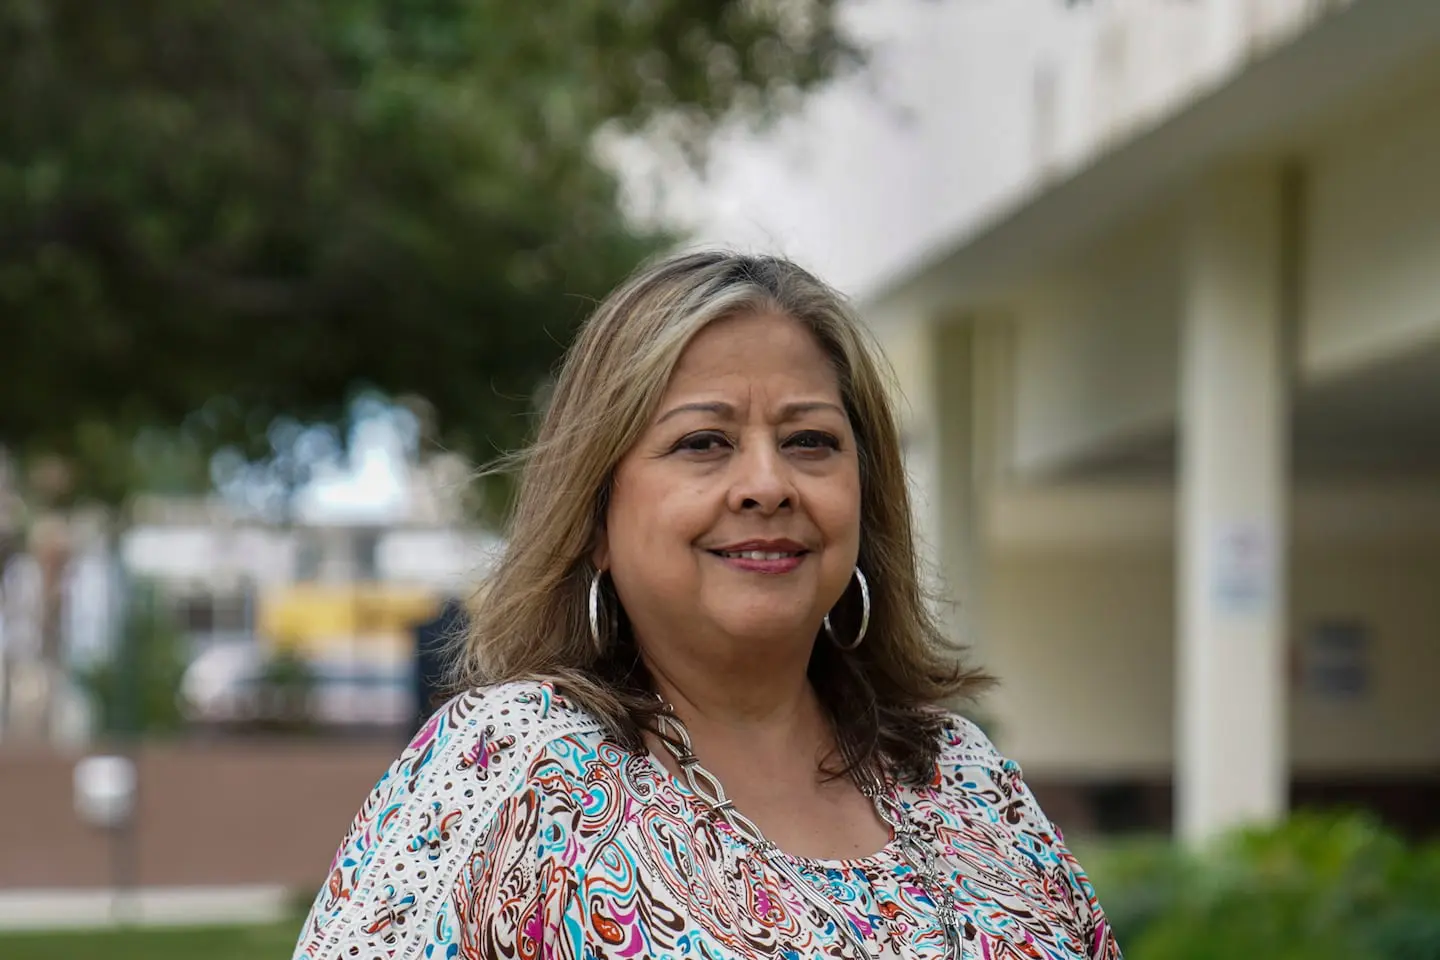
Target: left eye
(813, 440)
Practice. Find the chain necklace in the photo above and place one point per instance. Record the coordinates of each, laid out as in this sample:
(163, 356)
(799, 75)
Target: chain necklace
(907, 841)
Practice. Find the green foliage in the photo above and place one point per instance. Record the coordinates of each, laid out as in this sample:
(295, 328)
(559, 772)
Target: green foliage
(286, 687)
(136, 691)
(1316, 888)
(271, 942)
(215, 213)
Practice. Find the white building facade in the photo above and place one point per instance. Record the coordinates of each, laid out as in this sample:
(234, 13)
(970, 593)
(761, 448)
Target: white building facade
(1174, 413)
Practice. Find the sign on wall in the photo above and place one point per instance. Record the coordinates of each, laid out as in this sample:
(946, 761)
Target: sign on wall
(1335, 661)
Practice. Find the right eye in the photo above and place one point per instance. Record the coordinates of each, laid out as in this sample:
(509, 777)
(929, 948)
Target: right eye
(707, 441)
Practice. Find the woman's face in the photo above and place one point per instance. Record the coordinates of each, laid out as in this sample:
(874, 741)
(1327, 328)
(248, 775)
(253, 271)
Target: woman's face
(737, 514)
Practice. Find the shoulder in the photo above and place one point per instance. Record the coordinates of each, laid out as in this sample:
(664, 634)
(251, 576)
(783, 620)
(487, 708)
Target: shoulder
(488, 732)
(466, 767)
(478, 749)
(964, 743)
(972, 772)
(530, 711)
(980, 787)
(474, 752)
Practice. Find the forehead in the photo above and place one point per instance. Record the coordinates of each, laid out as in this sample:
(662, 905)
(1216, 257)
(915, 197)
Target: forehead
(771, 350)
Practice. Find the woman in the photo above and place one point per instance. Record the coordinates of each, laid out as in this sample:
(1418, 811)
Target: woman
(701, 716)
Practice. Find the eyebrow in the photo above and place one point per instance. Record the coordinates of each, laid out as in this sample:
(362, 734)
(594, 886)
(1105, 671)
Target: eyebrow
(720, 408)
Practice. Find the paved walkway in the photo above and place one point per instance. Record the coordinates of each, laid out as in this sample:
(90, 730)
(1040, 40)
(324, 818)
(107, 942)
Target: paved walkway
(149, 906)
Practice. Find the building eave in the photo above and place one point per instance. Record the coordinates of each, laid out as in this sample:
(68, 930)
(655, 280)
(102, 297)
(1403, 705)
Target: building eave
(1256, 111)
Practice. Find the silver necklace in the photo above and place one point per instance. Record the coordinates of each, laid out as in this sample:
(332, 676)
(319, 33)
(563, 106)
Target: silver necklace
(907, 841)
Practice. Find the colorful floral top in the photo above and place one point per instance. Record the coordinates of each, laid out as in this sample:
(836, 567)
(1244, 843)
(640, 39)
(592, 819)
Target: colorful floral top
(513, 827)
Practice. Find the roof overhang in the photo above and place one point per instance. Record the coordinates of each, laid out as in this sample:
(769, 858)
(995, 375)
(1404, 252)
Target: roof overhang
(1258, 110)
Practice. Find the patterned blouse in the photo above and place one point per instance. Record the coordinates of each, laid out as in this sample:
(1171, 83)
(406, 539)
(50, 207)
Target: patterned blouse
(513, 827)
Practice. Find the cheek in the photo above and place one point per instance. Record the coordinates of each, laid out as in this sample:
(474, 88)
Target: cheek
(656, 517)
(837, 510)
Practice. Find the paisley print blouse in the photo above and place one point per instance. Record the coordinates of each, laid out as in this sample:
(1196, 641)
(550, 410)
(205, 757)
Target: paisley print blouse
(513, 827)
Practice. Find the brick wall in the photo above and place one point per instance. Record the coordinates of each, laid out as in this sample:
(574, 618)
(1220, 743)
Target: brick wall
(224, 812)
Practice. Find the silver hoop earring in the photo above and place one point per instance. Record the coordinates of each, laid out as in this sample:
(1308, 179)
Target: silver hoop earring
(864, 616)
(595, 613)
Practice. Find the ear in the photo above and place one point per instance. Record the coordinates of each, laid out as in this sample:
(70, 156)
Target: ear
(600, 554)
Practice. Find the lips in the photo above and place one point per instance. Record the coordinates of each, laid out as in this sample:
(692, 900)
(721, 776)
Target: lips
(756, 554)
(763, 556)
(761, 550)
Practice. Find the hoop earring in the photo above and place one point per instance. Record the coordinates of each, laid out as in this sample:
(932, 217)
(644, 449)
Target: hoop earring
(864, 616)
(595, 637)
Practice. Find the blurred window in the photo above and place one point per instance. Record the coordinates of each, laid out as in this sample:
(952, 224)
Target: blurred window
(195, 613)
(308, 557)
(365, 545)
(212, 612)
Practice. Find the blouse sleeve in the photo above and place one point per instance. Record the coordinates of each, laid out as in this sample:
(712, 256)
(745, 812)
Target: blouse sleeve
(1099, 938)
(1043, 842)
(444, 857)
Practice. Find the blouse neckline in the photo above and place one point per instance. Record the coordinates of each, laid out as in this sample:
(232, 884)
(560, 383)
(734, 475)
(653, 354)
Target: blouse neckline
(884, 858)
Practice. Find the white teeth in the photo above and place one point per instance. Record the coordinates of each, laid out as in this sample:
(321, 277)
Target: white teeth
(755, 555)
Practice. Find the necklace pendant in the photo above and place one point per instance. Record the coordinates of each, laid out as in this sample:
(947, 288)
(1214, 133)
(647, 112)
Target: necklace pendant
(950, 919)
(954, 940)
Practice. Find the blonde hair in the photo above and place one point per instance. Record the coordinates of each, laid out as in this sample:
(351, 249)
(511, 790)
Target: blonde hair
(532, 620)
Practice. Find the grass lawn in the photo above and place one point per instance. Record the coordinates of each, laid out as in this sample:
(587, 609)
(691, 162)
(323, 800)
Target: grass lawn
(274, 942)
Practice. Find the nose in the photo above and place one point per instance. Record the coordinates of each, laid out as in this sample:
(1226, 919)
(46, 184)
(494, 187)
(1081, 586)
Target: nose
(762, 481)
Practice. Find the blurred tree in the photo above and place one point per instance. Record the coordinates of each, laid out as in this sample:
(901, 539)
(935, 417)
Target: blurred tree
(136, 690)
(215, 213)
(285, 688)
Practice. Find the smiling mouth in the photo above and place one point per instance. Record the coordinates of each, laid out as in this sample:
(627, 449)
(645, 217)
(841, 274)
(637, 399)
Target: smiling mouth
(758, 554)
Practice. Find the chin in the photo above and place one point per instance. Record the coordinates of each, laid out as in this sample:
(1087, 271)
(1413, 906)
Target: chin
(770, 628)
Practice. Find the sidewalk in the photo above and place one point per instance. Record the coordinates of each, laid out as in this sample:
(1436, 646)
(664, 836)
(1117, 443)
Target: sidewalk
(150, 906)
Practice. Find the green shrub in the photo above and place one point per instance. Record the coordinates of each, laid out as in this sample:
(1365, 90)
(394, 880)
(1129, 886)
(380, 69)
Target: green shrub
(136, 690)
(1315, 888)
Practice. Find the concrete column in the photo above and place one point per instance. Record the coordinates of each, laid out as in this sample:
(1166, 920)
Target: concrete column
(971, 381)
(958, 515)
(907, 340)
(1232, 764)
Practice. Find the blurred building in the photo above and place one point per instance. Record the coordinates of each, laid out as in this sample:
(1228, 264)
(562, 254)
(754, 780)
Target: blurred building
(1174, 417)
(341, 595)
(343, 599)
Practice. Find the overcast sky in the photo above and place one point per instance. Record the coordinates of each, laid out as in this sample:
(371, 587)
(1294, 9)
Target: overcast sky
(872, 172)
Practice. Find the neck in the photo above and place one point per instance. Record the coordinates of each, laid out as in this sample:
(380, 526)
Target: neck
(771, 711)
